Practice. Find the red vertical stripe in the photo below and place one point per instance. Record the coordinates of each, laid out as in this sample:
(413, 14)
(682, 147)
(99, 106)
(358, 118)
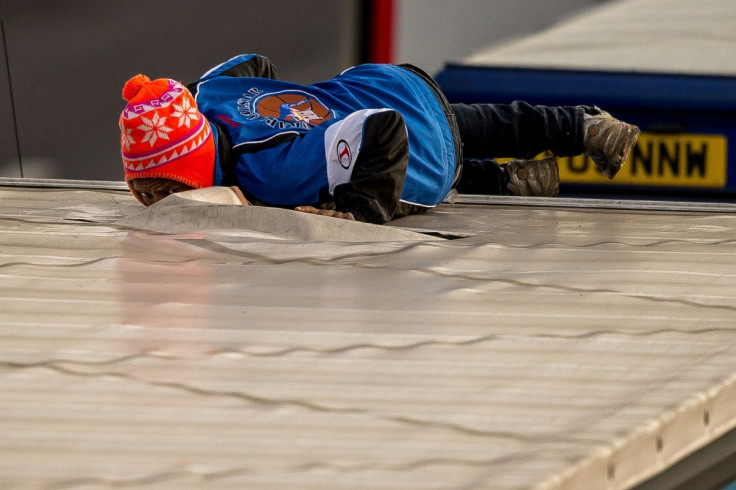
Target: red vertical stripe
(382, 31)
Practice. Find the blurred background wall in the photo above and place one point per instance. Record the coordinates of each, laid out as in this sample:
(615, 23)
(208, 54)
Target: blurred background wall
(433, 32)
(63, 64)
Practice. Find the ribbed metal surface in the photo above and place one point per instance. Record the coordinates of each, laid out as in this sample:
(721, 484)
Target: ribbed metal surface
(552, 348)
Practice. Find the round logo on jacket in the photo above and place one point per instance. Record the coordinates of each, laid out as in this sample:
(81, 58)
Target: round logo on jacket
(292, 106)
(344, 155)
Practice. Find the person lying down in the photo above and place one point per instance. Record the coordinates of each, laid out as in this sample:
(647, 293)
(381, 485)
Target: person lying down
(374, 143)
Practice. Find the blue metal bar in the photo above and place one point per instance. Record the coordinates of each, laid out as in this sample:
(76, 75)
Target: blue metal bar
(463, 83)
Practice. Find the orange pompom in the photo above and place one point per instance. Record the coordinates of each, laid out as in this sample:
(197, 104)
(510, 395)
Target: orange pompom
(133, 86)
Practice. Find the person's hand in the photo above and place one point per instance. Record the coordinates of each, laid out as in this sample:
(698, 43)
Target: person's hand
(325, 212)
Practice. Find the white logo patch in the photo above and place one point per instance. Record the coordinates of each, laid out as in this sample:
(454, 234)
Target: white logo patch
(343, 141)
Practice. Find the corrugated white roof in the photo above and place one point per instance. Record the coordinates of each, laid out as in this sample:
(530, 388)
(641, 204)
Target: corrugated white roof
(553, 348)
(662, 36)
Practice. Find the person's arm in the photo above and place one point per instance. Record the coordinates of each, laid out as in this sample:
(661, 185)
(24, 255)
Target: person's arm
(325, 212)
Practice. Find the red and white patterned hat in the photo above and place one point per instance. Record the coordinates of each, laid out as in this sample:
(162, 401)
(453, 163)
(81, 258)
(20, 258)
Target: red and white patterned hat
(164, 135)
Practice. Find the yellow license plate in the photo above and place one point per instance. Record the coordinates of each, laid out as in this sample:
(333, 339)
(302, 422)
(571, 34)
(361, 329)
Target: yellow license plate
(679, 160)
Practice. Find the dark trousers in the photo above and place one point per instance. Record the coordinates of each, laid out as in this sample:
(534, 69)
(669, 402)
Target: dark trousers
(517, 130)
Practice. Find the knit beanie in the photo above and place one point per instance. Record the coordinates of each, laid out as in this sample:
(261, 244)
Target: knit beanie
(164, 135)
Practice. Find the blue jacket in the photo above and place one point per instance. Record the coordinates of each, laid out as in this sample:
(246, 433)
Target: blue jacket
(375, 140)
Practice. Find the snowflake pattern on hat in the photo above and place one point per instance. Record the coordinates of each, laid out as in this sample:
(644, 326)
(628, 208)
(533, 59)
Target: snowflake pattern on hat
(127, 138)
(154, 128)
(185, 112)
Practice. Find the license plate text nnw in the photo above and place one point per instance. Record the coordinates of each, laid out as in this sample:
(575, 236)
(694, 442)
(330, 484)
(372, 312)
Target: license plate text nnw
(658, 159)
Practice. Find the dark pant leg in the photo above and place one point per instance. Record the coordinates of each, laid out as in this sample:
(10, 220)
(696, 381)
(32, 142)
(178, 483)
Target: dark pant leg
(482, 177)
(519, 130)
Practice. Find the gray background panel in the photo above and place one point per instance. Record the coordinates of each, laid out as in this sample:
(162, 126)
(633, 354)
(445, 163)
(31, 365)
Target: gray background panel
(70, 61)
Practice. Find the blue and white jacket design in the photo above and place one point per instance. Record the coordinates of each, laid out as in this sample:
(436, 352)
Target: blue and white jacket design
(377, 140)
